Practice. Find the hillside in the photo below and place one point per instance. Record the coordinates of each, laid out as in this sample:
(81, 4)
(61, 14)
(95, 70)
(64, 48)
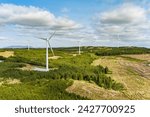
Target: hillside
(98, 73)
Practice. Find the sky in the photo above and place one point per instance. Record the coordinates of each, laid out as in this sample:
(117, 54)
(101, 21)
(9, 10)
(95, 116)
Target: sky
(90, 22)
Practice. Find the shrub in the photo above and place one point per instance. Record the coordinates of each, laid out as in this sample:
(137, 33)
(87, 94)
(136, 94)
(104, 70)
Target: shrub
(2, 58)
(106, 70)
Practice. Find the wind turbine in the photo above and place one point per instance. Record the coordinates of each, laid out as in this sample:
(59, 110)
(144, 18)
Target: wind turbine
(79, 44)
(28, 44)
(48, 45)
(118, 37)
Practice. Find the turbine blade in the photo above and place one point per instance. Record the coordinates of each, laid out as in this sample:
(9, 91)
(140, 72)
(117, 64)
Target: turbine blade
(51, 48)
(42, 38)
(52, 35)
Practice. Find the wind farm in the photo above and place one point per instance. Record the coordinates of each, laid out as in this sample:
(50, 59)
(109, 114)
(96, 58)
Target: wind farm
(104, 63)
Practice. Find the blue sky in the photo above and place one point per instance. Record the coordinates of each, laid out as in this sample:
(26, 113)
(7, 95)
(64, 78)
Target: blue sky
(94, 22)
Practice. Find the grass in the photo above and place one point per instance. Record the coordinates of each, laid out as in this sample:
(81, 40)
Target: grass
(36, 90)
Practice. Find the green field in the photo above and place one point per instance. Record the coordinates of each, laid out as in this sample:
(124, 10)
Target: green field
(96, 67)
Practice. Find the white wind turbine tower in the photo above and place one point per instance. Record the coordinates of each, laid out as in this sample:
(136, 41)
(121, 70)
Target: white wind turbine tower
(79, 44)
(48, 45)
(28, 44)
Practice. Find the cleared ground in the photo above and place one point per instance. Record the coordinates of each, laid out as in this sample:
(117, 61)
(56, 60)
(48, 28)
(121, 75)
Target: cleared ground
(92, 91)
(55, 57)
(9, 81)
(7, 54)
(145, 57)
(133, 73)
(28, 67)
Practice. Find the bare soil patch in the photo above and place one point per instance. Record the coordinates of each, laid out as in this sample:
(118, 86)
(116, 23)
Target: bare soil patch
(55, 57)
(7, 54)
(92, 91)
(9, 81)
(12, 81)
(140, 56)
(74, 54)
(140, 68)
(28, 67)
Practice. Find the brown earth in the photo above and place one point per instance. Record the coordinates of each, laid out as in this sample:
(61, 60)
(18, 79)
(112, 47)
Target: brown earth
(140, 56)
(92, 91)
(7, 54)
(28, 67)
(55, 57)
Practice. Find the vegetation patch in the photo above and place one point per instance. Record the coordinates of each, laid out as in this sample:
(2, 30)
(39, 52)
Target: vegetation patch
(38, 90)
(2, 58)
(121, 51)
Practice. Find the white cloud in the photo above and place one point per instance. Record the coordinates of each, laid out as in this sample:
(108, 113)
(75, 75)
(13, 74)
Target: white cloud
(20, 23)
(33, 16)
(128, 20)
(125, 14)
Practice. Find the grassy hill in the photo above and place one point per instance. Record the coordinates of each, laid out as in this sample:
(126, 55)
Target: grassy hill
(111, 71)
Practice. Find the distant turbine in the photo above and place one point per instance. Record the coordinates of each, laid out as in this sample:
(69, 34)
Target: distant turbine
(48, 44)
(118, 36)
(79, 46)
(79, 42)
(28, 42)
